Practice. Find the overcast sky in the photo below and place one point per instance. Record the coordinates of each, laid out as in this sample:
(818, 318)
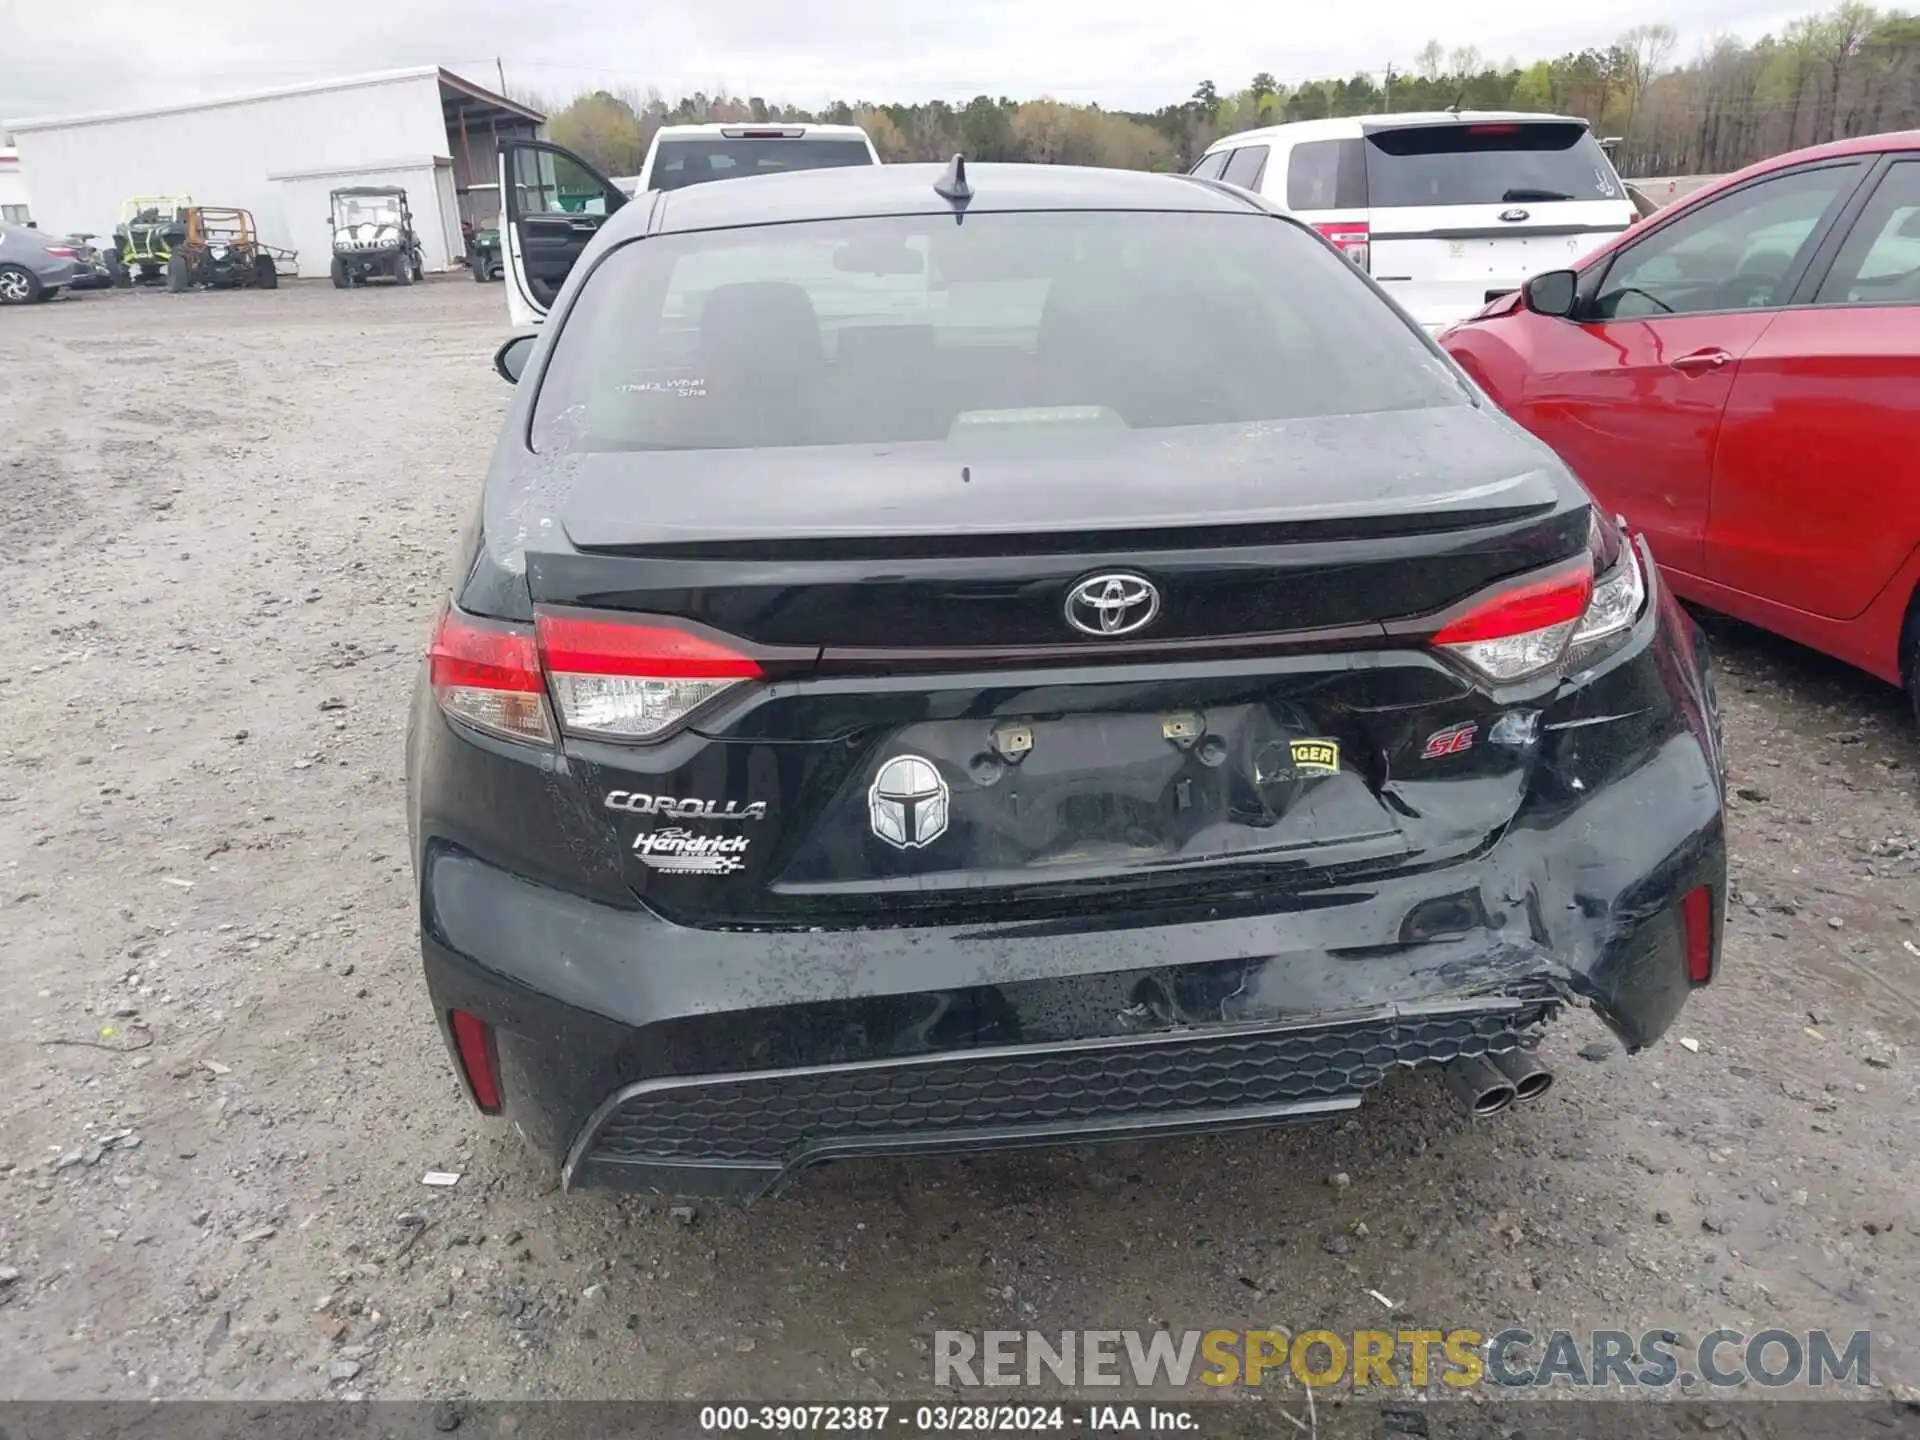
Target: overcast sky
(1126, 54)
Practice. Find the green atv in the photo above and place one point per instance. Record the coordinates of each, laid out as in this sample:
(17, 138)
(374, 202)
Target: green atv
(151, 228)
(483, 255)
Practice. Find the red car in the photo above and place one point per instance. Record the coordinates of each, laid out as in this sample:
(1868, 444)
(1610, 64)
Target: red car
(1739, 376)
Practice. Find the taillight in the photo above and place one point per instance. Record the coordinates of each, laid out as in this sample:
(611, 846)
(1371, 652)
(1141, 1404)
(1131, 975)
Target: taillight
(63, 252)
(1619, 594)
(624, 680)
(1352, 238)
(614, 679)
(1569, 616)
(1606, 540)
(1521, 630)
(486, 674)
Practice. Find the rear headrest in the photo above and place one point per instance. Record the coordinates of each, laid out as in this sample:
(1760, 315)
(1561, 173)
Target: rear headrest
(894, 345)
(1083, 309)
(764, 325)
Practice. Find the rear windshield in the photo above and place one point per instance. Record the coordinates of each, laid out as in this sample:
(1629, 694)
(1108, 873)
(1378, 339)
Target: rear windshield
(679, 163)
(1487, 164)
(1008, 326)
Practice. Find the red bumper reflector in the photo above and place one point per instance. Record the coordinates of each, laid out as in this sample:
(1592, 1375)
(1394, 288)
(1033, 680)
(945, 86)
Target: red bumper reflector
(1696, 914)
(475, 1043)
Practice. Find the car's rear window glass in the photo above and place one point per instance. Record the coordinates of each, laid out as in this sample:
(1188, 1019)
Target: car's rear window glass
(913, 328)
(1327, 175)
(1498, 163)
(679, 163)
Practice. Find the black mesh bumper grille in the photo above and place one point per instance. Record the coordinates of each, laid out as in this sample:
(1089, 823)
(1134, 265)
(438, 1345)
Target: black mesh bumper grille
(778, 1118)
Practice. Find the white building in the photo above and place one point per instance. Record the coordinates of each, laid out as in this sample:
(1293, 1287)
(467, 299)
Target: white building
(14, 208)
(278, 153)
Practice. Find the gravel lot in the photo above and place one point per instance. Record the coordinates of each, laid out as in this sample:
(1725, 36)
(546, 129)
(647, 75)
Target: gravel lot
(227, 519)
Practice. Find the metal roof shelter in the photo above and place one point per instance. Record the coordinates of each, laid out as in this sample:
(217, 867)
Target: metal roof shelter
(277, 152)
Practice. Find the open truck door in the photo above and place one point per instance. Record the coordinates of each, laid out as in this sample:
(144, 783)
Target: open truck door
(552, 203)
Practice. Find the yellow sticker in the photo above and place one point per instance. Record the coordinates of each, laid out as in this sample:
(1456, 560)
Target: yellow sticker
(1316, 757)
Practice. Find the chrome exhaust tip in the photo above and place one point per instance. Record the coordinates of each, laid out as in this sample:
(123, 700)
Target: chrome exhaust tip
(1530, 1078)
(1478, 1085)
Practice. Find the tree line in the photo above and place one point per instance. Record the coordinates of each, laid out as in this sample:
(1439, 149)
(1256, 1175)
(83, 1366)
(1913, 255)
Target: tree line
(1852, 70)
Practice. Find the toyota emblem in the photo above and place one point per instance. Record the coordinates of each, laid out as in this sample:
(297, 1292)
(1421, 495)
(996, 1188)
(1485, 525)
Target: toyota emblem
(1118, 603)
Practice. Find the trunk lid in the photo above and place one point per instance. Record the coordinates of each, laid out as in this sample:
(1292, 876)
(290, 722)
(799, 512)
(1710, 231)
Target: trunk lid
(934, 739)
(1326, 522)
(1464, 212)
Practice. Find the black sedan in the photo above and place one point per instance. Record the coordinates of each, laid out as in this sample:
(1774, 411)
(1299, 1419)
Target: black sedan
(956, 659)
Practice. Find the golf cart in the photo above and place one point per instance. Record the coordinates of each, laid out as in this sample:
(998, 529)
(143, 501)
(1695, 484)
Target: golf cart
(373, 236)
(150, 228)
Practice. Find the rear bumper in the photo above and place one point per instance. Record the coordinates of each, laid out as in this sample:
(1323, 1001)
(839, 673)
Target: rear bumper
(634, 1051)
(1436, 314)
(748, 1132)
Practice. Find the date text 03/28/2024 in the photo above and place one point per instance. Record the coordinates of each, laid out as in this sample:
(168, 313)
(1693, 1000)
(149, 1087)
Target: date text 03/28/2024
(944, 1419)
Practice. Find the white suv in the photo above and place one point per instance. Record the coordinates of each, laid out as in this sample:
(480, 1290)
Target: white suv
(1446, 210)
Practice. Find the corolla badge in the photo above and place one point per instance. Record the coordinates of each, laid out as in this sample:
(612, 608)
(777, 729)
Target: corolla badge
(638, 803)
(1117, 603)
(1515, 215)
(908, 803)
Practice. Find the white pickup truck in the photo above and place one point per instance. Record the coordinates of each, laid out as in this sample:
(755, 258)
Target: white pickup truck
(555, 201)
